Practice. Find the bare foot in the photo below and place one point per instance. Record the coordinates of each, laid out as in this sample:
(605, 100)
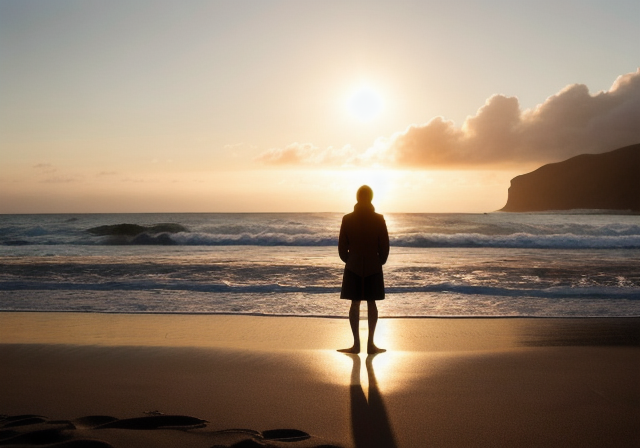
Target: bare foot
(373, 350)
(354, 350)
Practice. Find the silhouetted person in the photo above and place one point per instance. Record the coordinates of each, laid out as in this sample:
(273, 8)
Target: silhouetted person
(364, 246)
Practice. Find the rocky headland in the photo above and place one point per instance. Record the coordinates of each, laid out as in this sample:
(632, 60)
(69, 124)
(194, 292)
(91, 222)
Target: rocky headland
(607, 181)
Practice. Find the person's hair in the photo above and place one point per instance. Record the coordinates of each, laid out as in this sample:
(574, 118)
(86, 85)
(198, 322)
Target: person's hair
(364, 194)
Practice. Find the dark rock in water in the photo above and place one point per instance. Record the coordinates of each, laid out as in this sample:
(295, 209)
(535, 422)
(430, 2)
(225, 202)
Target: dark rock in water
(608, 181)
(117, 229)
(144, 238)
(166, 227)
(135, 229)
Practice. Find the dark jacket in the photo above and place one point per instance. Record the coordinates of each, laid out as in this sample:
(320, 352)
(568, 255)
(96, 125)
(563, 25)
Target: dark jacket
(364, 241)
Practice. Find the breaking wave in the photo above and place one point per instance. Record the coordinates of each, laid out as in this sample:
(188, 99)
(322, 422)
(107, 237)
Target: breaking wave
(628, 293)
(458, 240)
(419, 231)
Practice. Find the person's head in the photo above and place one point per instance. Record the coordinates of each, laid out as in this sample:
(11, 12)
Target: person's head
(364, 194)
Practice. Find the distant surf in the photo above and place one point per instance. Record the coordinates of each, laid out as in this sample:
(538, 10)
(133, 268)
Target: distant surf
(498, 230)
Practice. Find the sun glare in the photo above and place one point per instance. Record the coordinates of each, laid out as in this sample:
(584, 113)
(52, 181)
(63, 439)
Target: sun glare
(365, 104)
(382, 181)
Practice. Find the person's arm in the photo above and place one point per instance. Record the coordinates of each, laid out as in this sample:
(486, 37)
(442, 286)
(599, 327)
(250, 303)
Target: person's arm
(343, 243)
(383, 243)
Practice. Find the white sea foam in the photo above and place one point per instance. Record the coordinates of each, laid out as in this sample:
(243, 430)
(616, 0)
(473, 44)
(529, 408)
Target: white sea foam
(631, 293)
(519, 240)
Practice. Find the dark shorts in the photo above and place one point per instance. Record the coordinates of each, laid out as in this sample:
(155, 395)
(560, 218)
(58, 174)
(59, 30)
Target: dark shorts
(354, 287)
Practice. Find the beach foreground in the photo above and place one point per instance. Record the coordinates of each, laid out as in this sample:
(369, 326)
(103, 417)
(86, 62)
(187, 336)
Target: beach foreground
(443, 383)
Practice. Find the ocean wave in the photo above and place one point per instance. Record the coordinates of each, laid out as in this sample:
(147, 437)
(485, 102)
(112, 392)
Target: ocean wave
(259, 239)
(519, 241)
(406, 230)
(417, 240)
(136, 229)
(593, 292)
(458, 240)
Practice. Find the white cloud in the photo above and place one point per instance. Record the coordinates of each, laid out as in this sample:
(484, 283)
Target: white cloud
(568, 123)
(306, 154)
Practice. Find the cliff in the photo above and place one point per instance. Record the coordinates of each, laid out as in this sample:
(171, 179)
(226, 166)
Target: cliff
(608, 181)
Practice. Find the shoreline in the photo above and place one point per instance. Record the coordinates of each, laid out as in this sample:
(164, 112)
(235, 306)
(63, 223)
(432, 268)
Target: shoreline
(311, 316)
(444, 382)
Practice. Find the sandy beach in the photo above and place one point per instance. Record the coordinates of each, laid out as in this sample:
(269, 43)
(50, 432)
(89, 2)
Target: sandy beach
(186, 380)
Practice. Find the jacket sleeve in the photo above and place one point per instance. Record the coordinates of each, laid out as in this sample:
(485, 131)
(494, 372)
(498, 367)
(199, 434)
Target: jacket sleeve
(343, 243)
(383, 242)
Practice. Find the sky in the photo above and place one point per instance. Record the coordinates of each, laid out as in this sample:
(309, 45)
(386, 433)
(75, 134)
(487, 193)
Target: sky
(289, 106)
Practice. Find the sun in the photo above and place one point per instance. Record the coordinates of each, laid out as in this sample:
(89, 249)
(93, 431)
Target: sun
(365, 104)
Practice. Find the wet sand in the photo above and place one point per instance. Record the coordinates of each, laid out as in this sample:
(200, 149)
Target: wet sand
(443, 383)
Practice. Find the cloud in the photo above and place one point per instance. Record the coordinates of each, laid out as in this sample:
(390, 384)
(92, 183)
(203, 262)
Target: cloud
(306, 154)
(45, 168)
(568, 123)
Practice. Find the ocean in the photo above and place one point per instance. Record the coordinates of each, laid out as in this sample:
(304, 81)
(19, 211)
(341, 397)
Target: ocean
(581, 264)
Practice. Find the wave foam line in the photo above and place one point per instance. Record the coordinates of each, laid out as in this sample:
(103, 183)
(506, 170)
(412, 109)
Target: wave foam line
(458, 240)
(519, 241)
(417, 240)
(630, 293)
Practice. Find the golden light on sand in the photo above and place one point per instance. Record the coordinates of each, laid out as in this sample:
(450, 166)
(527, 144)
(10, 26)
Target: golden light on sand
(339, 368)
(365, 104)
(343, 369)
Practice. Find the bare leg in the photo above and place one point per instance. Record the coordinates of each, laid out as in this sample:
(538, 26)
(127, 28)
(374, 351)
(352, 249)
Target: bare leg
(372, 314)
(354, 321)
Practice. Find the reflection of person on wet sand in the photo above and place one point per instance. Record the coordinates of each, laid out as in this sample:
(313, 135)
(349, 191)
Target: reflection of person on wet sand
(364, 246)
